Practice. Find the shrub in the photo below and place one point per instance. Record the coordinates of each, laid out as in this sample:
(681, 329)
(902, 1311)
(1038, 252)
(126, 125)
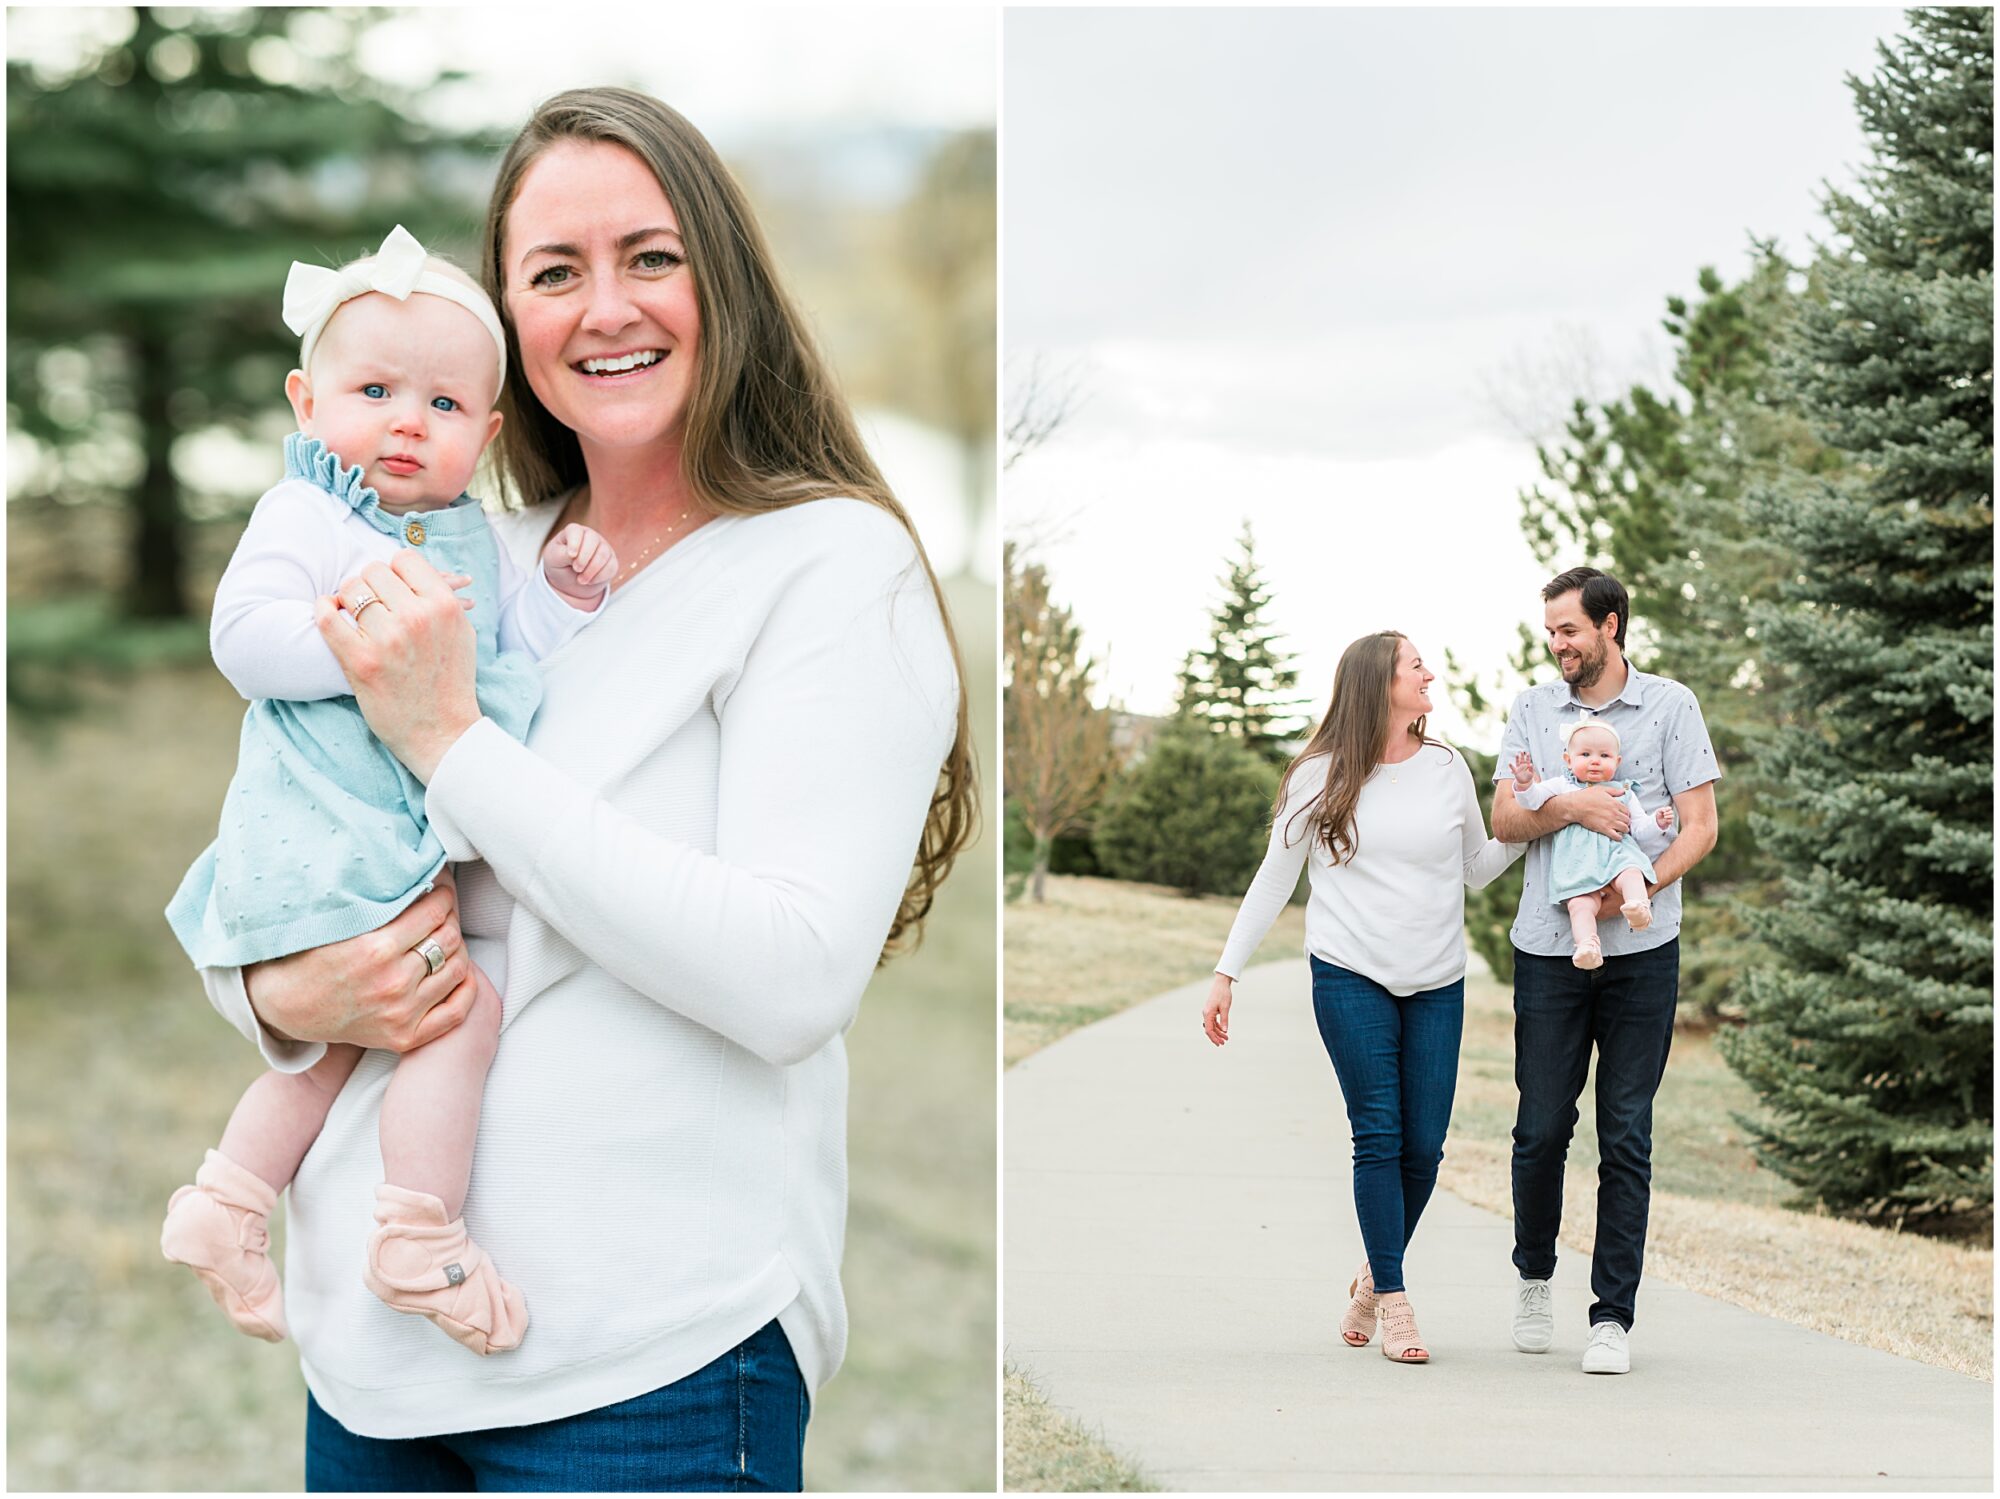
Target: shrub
(1194, 814)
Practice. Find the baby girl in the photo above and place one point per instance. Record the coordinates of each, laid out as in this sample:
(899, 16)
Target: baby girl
(323, 834)
(1587, 868)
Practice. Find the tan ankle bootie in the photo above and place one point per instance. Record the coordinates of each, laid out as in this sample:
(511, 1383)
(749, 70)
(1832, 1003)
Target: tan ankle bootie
(217, 1229)
(1357, 1323)
(421, 1264)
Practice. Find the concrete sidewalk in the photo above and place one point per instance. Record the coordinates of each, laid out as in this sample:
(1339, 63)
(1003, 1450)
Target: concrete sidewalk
(1180, 1234)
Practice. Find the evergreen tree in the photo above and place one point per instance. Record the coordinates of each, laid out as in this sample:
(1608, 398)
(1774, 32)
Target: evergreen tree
(1193, 813)
(156, 197)
(1242, 684)
(1650, 488)
(1870, 1040)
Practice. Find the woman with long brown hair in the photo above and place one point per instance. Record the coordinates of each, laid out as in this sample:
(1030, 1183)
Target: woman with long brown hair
(739, 796)
(1387, 823)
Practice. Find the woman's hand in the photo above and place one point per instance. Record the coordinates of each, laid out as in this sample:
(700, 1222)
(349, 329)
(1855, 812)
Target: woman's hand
(375, 989)
(1215, 1018)
(401, 636)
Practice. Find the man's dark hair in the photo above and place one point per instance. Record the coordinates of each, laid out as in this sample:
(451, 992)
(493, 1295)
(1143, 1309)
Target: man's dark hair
(1602, 595)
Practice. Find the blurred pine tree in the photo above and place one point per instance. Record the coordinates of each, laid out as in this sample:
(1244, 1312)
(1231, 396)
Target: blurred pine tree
(157, 192)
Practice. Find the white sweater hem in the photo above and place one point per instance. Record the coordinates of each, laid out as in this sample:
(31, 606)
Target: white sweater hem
(441, 1406)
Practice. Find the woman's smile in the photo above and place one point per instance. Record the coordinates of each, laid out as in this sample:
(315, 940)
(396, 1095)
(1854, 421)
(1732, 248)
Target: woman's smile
(602, 369)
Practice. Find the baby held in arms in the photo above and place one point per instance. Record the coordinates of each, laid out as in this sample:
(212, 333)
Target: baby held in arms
(1587, 869)
(323, 834)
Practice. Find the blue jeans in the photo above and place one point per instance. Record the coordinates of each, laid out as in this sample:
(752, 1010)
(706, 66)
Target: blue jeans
(1626, 1010)
(739, 1423)
(1397, 1060)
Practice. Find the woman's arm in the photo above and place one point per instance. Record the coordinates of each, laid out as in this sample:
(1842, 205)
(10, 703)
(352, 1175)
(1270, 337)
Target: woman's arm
(831, 742)
(1483, 858)
(1278, 876)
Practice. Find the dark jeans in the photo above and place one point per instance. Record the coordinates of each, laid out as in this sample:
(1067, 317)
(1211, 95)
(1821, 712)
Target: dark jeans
(1397, 1060)
(739, 1423)
(1626, 1010)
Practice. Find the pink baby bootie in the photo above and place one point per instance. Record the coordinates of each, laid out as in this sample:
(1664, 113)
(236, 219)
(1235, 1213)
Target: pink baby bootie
(1639, 914)
(1589, 952)
(419, 1263)
(216, 1228)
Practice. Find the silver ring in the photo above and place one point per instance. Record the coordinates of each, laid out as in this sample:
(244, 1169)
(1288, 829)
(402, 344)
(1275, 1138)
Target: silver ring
(428, 949)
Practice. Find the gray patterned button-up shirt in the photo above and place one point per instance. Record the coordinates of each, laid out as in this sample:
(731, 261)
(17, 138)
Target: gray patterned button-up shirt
(1665, 749)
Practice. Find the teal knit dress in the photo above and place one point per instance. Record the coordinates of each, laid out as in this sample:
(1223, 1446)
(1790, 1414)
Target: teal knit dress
(323, 834)
(1581, 861)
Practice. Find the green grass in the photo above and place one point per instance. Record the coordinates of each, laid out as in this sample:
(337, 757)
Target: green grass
(122, 1375)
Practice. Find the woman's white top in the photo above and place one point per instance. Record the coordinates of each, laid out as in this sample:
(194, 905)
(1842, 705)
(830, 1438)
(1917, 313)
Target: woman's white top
(1395, 911)
(681, 885)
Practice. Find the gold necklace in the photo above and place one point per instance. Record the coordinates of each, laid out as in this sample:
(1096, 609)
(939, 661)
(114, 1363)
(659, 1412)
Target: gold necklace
(651, 547)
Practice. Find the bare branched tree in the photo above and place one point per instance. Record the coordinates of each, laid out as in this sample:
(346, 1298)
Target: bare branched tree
(1042, 396)
(1532, 391)
(1059, 751)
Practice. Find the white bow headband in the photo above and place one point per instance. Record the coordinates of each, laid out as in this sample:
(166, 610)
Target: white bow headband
(313, 293)
(1576, 725)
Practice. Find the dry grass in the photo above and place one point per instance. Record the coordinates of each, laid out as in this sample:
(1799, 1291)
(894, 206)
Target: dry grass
(1718, 1223)
(1095, 946)
(1049, 1453)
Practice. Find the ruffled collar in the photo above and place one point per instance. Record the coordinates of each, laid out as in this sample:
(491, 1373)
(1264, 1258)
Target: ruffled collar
(312, 460)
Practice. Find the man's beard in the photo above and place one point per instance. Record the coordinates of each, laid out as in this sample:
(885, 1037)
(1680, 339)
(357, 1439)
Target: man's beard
(1589, 669)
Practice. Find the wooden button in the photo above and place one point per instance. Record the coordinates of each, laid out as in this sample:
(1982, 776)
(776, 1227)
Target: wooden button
(414, 533)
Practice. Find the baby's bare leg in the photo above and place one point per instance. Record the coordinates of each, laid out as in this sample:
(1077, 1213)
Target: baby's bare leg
(430, 1115)
(1583, 912)
(1638, 906)
(281, 1114)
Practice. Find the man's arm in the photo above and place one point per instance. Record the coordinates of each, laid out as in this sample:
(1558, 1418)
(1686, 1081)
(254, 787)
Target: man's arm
(1696, 809)
(1599, 808)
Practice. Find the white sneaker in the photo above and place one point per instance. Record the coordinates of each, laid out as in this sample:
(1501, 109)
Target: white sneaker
(1609, 1350)
(1534, 1322)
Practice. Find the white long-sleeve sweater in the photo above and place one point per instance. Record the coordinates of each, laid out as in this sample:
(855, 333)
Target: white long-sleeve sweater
(1395, 912)
(684, 880)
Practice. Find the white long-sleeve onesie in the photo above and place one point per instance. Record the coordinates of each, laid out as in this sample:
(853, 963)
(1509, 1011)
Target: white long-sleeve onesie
(301, 544)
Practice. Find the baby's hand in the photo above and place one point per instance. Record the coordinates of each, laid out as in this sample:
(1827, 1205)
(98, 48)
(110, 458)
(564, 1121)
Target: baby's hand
(579, 563)
(1665, 818)
(1524, 771)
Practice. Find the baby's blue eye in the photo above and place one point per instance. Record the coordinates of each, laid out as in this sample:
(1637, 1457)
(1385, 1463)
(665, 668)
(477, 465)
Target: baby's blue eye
(375, 392)
(445, 403)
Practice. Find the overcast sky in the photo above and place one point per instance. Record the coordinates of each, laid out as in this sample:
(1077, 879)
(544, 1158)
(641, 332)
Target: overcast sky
(1308, 264)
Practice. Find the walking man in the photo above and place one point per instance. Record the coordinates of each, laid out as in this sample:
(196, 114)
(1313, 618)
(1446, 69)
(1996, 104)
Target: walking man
(1625, 1008)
